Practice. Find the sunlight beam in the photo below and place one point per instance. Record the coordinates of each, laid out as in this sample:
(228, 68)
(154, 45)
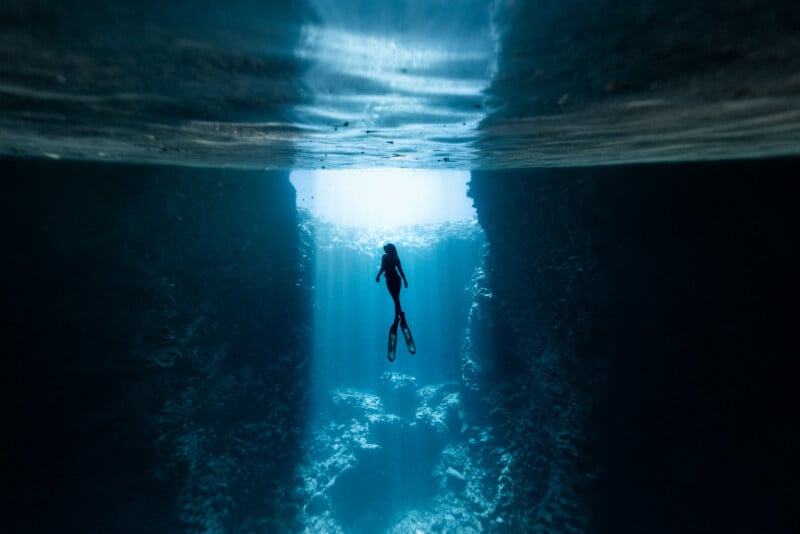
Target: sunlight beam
(384, 198)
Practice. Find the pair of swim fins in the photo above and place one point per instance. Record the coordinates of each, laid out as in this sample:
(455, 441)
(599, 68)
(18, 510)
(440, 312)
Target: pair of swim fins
(412, 348)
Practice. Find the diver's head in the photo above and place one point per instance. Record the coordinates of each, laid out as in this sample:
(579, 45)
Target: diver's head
(390, 249)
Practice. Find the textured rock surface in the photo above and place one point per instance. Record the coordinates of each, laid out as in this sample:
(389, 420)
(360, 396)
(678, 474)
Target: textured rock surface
(156, 348)
(418, 435)
(536, 295)
(628, 363)
(642, 347)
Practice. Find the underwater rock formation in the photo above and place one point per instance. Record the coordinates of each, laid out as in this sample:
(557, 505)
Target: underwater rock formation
(544, 291)
(156, 348)
(400, 431)
(643, 344)
(626, 365)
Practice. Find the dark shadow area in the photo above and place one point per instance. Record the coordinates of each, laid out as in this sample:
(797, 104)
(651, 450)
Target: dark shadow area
(117, 62)
(616, 82)
(144, 81)
(655, 304)
(156, 339)
(702, 285)
(611, 49)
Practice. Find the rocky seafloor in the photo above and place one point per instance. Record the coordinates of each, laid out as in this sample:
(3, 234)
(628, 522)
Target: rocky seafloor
(419, 434)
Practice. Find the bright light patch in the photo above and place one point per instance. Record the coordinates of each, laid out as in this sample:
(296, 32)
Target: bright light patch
(384, 198)
(388, 61)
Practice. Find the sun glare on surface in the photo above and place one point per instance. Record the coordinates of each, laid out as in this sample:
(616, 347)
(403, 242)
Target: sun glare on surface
(384, 198)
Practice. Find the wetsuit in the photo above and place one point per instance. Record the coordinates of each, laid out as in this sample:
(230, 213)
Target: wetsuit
(392, 276)
(390, 265)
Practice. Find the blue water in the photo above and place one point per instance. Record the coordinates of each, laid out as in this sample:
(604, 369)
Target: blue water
(189, 352)
(380, 430)
(601, 343)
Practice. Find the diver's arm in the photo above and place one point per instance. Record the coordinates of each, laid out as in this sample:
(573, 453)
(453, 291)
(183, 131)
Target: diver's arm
(378, 278)
(399, 268)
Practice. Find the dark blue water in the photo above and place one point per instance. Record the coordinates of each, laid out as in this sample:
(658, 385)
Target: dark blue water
(605, 344)
(186, 351)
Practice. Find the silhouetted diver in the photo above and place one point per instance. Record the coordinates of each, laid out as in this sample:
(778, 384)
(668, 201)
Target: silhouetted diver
(390, 265)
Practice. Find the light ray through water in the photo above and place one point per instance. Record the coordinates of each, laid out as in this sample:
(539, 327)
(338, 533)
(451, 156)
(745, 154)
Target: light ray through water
(384, 199)
(377, 429)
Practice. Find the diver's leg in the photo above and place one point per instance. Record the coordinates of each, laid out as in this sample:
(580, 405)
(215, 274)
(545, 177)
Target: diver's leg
(397, 313)
(394, 291)
(397, 310)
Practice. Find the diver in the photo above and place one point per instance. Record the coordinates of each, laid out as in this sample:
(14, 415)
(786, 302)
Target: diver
(390, 265)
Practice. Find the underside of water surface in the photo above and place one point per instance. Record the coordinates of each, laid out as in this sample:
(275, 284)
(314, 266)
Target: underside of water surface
(416, 84)
(594, 206)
